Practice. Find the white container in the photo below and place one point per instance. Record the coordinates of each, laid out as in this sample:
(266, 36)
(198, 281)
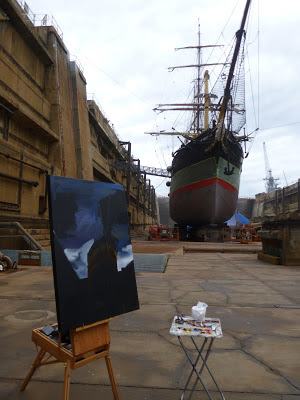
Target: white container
(199, 311)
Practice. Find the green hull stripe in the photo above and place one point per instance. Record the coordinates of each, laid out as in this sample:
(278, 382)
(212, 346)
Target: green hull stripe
(206, 169)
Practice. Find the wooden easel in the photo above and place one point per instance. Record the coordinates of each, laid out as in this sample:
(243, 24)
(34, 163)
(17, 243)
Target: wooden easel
(89, 343)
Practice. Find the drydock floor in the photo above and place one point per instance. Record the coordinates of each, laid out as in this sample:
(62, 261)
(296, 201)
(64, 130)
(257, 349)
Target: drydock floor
(257, 359)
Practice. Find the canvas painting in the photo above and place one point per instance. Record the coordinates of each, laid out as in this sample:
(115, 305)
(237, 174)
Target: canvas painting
(92, 256)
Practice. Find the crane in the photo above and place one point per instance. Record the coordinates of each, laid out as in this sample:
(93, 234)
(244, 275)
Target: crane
(271, 184)
(285, 179)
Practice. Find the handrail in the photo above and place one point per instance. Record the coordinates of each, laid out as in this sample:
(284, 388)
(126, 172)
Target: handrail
(25, 233)
(39, 19)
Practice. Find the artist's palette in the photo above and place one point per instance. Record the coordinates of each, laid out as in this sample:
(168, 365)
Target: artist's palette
(187, 326)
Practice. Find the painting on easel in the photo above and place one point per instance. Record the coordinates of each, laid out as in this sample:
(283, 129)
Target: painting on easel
(92, 256)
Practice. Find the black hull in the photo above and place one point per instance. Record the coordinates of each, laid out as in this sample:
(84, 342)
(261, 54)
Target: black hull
(205, 180)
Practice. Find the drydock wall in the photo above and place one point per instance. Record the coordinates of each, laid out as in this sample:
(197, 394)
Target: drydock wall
(284, 200)
(47, 125)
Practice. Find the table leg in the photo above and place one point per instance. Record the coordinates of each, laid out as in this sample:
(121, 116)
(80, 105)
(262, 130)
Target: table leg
(195, 369)
(191, 374)
(204, 361)
(209, 371)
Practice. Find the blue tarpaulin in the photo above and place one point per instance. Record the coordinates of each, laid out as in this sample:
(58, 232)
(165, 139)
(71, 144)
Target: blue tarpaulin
(237, 220)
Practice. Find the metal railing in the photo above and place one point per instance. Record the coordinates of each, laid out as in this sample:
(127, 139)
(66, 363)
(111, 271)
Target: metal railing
(78, 63)
(116, 138)
(91, 96)
(39, 19)
(26, 236)
(124, 166)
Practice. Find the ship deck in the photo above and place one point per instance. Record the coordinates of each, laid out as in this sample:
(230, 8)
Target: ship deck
(258, 304)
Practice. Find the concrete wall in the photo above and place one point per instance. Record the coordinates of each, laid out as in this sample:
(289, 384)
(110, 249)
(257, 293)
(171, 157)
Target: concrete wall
(164, 211)
(25, 115)
(282, 201)
(245, 207)
(48, 126)
(281, 240)
(106, 152)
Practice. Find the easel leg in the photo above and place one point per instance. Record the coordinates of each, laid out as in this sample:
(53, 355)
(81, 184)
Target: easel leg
(34, 366)
(67, 381)
(111, 378)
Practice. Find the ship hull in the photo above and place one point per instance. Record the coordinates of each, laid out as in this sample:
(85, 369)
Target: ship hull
(209, 202)
(205, 185)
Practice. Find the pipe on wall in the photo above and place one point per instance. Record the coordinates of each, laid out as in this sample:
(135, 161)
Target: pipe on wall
(14, 178)
(6, 259)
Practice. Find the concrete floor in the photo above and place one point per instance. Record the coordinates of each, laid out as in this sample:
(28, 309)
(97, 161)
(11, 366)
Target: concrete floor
(257, 359)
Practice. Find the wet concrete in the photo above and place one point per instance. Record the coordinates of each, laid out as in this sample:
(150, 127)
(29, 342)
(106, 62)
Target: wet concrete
(257, 359)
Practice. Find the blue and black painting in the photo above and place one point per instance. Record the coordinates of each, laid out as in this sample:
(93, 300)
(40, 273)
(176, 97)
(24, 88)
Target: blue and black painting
(91, 251)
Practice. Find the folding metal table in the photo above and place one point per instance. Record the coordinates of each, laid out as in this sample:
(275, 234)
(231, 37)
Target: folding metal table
(208, 330)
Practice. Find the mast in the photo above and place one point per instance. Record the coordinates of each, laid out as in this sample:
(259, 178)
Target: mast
(198, 82)
(171, 69)
(239, 35)
(197, 106)
(206, 100)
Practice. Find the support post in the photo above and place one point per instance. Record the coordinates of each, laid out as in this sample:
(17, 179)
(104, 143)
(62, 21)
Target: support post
(128, 174)
(149, 196)
(298, 188)
(128, 169)
(144, 208)
(153, 202)
(138, 186)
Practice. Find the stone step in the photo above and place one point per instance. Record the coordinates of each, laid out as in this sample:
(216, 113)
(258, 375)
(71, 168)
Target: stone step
(41, 236)
(37, 231)
(44, 243)
(47, 248)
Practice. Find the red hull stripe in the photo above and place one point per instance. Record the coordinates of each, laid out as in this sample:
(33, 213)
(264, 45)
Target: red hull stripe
(202, 184)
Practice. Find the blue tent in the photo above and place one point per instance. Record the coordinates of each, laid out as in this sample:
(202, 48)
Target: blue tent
(237, 220)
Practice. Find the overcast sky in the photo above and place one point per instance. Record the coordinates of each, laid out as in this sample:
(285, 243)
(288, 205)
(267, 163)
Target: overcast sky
(125, 47)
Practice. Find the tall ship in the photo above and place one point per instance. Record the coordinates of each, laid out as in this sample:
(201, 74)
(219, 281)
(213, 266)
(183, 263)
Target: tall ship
(206, 169)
